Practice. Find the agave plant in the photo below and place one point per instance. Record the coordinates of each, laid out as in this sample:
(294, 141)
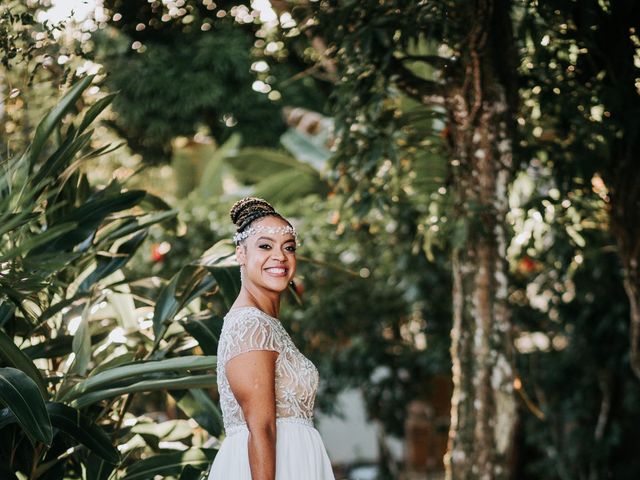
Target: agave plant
(78, 339)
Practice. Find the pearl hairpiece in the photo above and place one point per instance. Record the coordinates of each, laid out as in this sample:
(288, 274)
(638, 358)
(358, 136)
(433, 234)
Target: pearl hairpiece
(263, 228)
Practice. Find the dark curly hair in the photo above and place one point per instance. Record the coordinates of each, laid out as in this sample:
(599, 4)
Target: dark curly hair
(248, 209)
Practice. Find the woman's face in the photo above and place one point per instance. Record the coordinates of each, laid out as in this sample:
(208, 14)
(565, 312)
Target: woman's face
(269, 258)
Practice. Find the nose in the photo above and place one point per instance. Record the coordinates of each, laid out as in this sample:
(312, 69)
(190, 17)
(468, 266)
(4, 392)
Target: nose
(278, 255)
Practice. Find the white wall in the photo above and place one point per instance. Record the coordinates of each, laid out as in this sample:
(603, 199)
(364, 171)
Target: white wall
(353, 439)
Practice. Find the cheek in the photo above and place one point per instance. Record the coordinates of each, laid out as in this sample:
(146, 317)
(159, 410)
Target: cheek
(259, 258)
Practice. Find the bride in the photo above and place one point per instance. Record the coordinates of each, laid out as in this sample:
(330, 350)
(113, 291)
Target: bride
(267, 387)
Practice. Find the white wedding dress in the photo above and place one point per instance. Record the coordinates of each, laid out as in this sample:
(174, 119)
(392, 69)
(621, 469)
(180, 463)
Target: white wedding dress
(300, 453)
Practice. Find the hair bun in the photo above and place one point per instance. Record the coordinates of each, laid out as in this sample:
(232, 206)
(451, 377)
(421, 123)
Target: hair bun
(248, 208)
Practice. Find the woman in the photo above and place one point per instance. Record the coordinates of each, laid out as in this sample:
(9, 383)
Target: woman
(267, 387)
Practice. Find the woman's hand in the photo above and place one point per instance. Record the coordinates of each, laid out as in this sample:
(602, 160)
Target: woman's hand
(251, 376)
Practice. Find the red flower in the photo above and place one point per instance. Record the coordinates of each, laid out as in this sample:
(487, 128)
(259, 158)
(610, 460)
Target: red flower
(159, 251)
(527, 265)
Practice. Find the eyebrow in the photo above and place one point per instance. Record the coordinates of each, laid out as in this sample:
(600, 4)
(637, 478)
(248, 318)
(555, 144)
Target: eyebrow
(269, 238)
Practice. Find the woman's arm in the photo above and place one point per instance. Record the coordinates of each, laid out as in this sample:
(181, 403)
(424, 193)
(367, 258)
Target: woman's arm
(251, 377)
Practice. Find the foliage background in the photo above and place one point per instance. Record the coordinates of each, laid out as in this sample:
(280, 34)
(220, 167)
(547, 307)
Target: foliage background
(371, 165)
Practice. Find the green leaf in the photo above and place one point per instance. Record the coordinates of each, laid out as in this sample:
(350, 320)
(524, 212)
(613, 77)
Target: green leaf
(197, 404)
(90, 215)
(134, 225)
(78, 426)
(103, 150)
(81, 344)
(153, 202)
(191, 381)
(189, 283)
(61, 158)
(13, 221)
(126, 358)
(83, 430)
(137, 369)
(58, 347)
(49, 122)
(48, 263)
(108, 264)
(251, 165)
(38, 240)
(21, 395)
(206, 330)
(59, 306)
(169, 431)
(95, 110)
(121, 300)
(170, 464)
(191, 473)
(6, 313)
(7, 418)
(210, 185)
(220, 261)
(305, 150)
(287, 186)
(97, 468)
(11, 355)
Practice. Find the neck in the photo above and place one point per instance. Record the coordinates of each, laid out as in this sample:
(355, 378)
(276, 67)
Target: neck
(268, 303)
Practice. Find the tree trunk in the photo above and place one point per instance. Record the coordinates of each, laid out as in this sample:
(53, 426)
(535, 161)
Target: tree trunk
(625, 225)
(483, 410)
(616, 53)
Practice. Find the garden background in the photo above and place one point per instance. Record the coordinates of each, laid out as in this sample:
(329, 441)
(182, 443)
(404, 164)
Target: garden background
(464, 178)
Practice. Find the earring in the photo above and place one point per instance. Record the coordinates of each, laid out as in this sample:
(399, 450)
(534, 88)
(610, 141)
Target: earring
(242, 273)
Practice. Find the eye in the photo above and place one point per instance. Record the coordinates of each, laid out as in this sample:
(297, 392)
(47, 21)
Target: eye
(290, 249)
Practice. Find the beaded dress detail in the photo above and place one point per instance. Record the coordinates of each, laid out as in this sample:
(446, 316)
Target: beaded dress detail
(296, 377)
(300, 452)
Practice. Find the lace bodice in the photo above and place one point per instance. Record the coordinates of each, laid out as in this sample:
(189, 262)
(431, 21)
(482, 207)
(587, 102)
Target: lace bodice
(248, 328)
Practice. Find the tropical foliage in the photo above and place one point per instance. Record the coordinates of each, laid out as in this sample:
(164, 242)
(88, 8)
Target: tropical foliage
(81, 341)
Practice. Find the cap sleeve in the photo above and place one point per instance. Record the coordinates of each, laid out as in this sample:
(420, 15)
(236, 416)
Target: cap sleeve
(247, 332)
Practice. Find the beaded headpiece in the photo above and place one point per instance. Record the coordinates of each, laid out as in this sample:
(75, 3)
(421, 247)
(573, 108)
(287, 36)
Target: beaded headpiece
(263, 228)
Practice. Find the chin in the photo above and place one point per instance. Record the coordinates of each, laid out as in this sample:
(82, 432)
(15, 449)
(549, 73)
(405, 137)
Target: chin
(279, 283)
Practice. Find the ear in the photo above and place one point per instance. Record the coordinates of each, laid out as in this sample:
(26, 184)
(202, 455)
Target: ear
(241, 255)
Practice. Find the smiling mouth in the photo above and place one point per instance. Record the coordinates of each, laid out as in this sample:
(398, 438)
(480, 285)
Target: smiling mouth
(279, 271)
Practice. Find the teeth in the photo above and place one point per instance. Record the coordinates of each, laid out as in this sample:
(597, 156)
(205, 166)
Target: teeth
(277, 270)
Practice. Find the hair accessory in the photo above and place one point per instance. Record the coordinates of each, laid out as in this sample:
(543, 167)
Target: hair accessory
(238, 237)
